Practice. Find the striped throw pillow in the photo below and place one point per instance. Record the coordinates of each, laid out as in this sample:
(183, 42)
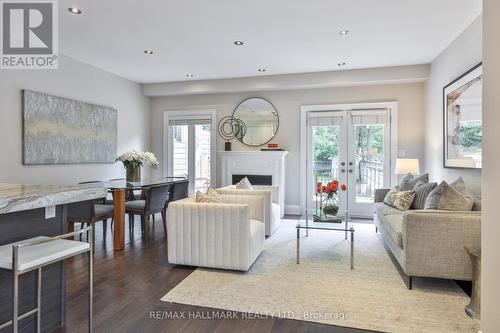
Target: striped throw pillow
(422, 190)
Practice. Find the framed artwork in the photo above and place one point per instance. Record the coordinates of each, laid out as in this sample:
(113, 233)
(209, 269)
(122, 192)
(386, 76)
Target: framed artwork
(463, 128)
(58, 130)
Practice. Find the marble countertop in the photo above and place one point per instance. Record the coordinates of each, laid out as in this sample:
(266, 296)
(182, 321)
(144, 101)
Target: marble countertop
(19, 197)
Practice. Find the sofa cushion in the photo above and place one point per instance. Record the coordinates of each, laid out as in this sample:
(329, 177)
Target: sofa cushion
(408, 182)
(393, 225)
(422, 190)
(446, 197)
(381, 209)
(399, 199)
(459, 185)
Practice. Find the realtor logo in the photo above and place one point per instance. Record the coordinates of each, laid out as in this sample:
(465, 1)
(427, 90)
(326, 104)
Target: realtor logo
(29, 34)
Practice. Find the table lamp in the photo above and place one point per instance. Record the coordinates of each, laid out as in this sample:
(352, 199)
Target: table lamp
(407, 165)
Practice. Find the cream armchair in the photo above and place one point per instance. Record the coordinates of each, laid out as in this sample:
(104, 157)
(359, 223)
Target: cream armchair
(272, 209)
(228, 235)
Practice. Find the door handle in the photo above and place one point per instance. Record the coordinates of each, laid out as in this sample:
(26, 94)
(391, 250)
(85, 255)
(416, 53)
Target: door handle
(342, 170)
(343, 163)
(350, 170)
(350, 163)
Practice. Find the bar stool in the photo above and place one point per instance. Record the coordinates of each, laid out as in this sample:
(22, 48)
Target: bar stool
(35, 253)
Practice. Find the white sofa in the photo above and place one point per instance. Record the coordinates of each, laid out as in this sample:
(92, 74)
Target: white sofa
(272, 210)
(228, 235)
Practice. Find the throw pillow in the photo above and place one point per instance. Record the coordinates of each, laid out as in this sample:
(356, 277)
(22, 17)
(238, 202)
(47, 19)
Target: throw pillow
(399, 199)
(408, 182)
(244, 184)
(422, 190)
(445, 197)
(210, 197)
(459, 185)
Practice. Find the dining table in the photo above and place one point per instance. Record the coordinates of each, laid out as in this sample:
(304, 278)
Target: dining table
(119, 189)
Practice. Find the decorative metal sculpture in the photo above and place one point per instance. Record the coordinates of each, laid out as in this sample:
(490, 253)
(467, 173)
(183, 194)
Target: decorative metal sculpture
(230, 128)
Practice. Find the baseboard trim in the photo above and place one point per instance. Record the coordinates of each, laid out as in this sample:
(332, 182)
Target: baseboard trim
(293, 210)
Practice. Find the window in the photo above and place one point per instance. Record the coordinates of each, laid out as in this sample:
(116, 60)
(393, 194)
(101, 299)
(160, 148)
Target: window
(191, 148)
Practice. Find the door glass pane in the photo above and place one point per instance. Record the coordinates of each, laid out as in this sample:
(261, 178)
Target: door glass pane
(325, 154)
(369, 160)
(180, 150)
(202, 157)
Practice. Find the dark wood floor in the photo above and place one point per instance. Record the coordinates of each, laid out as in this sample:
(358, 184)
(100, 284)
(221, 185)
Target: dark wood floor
(128, 286)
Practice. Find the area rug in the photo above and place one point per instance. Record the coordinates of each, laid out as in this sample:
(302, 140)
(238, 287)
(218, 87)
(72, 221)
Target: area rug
(323, 289)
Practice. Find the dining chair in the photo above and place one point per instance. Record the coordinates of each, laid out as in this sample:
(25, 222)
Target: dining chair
(154, 201)
(179, 191)
(89, 213)
(99, 210)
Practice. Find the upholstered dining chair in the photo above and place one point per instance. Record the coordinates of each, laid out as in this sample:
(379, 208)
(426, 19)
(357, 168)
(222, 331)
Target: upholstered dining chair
(100, 209)
(89, 213)
(179, 191)
(154, 201)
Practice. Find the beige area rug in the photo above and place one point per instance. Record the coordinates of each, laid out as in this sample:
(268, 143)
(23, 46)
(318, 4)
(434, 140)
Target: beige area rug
(323, 289)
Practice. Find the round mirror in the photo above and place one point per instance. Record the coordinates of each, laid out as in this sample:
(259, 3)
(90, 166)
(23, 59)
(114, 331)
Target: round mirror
(261, 120)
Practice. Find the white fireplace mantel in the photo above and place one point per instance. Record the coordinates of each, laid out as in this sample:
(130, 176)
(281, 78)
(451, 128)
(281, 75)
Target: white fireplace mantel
(261, 163)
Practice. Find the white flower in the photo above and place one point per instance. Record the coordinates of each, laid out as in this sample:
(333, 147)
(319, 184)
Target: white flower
(138, 158)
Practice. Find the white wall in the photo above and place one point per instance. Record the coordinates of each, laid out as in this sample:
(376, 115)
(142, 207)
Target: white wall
(490, 247)
(411, 100)
(462, 54)
(79, 81)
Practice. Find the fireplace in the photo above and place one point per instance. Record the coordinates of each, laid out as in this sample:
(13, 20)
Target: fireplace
(254, 179)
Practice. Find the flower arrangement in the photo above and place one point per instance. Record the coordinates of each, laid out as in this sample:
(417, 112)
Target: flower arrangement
(331, 188)
(134, 160)
(330, 204)
(138, 158)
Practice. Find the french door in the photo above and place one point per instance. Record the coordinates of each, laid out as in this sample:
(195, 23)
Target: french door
(352, 147)
(190, 149)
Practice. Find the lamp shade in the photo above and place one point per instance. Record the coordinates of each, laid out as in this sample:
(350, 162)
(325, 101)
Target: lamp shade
(407, 165)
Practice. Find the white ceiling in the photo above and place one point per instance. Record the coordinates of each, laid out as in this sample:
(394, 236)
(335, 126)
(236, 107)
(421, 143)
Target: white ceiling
(284, 36)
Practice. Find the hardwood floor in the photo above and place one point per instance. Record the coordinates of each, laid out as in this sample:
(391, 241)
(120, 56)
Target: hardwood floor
(128, 287)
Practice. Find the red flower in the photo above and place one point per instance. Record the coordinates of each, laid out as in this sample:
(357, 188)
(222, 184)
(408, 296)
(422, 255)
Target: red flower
(319, 185)
(343, 187)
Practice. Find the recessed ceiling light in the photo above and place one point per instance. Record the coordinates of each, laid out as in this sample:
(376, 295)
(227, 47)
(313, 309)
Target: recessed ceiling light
(148, 52)
(261, 69)
(341, 64)
(239, 43)
(74, 10)
(189, 75)
(343, 32)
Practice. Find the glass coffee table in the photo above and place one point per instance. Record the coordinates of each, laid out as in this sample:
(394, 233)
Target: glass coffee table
(312, 219)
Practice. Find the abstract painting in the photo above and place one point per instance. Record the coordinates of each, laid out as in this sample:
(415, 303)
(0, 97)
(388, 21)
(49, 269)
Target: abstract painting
(463, 130)
(64, 131)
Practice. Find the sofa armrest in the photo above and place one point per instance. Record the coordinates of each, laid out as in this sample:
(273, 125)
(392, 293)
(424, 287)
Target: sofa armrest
(380, 194)
(263, 193)
(275, 191)
(255, 204)
(434, 242)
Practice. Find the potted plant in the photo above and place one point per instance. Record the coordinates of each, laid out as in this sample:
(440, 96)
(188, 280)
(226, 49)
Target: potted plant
(134, 160)
(330, 204)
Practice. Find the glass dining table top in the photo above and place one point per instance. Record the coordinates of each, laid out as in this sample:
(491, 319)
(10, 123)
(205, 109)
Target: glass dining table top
(145, 182)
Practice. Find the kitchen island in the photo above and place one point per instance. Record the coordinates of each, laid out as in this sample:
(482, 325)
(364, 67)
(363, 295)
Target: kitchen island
(28, 211)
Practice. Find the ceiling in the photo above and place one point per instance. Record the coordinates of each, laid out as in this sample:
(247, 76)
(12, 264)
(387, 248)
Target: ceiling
(282, 36)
